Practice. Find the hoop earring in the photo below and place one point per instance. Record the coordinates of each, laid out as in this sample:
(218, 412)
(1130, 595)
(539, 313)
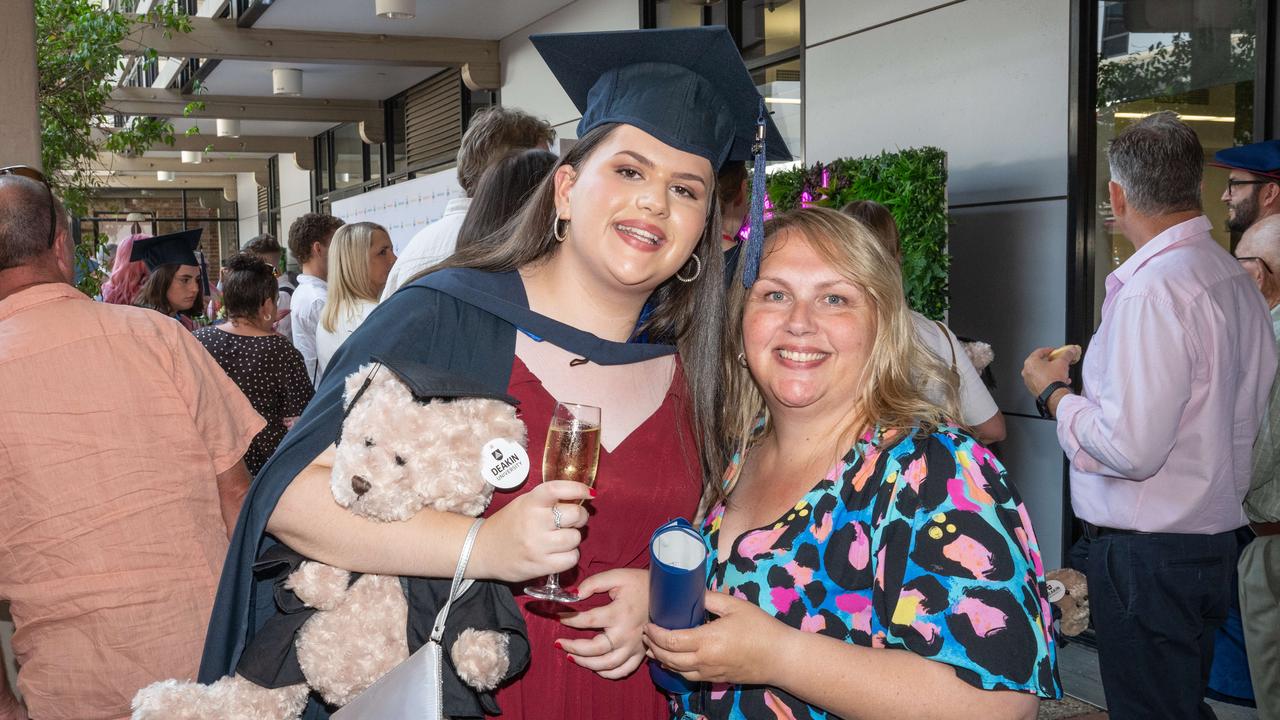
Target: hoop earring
(742, 359)
(559, 235)
(697, 263)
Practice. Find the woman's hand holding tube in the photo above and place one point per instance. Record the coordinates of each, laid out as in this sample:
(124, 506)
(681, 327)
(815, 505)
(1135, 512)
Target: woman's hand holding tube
(737, 647)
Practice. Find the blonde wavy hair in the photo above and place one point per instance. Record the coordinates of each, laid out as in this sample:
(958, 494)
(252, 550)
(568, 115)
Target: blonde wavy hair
(891, 394)
(349, 271)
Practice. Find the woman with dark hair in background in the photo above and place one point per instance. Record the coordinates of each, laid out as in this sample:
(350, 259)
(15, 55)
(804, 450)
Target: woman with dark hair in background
(261, 362)
(502, 191)
(978, 410)
(173, 287)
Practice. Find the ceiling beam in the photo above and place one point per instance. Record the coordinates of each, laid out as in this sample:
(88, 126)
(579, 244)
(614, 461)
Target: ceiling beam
(225, 183)
(223, 40)
(149, 165)
(303, 149)
(171, 103)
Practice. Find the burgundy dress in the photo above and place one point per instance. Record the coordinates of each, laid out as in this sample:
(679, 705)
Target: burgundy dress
(652, 476)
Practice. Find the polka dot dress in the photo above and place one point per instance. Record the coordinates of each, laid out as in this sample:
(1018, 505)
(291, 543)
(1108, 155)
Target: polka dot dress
(270, 372)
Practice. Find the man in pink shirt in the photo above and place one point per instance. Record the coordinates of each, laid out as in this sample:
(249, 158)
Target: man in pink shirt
(1159, 441)
(120, 478)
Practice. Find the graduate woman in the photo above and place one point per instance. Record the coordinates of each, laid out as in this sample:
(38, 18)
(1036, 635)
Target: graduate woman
(173, 286)
(628, 216)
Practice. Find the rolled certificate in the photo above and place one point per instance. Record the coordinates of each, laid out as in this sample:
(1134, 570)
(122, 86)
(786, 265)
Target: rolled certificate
(677, 581)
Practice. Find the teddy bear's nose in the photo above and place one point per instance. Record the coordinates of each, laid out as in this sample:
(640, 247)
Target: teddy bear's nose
(359, 485)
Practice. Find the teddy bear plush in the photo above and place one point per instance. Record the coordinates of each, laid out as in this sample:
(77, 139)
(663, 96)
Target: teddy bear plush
(412, 438)
(1069, 595)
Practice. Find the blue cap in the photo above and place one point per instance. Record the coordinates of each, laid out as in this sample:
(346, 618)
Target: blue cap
(1261, 158)
(685, 86)
(172, 249)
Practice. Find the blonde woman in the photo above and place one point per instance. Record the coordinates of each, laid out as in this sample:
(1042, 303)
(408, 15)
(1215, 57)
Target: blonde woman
(868, 558)
(360, 259)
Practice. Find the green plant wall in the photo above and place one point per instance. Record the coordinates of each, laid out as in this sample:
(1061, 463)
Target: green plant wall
(912, 184)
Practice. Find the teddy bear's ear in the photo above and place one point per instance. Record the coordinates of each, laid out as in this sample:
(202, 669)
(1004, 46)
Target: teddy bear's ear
(356, 380)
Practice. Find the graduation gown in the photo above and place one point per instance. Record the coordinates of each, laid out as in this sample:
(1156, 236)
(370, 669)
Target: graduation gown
(458, 320)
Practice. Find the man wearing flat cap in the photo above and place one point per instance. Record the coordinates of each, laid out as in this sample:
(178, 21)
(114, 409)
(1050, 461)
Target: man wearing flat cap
(1253, 185)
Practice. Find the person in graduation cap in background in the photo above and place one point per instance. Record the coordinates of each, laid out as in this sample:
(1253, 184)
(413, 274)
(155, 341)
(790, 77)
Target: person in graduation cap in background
(629, 212)
(174, 285)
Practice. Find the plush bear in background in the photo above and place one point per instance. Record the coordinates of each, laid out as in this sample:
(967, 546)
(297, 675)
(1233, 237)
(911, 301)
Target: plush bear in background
(1069, 594)
(411, 438)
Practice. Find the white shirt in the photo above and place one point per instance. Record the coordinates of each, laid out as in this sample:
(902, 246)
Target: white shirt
(1175, 381)
(327, 343)
(284, 301)
(976, 404)
(432, 244)
(308, 302)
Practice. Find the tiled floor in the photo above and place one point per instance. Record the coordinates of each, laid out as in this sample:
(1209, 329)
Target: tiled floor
(1078, 669)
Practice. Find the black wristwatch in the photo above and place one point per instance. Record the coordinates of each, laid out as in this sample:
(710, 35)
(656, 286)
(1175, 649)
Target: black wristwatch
(1042, 400)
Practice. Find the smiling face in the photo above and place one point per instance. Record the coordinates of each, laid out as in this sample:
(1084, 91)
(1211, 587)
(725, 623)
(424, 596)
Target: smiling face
(636, 209)
(807, 331)
(381, 258)
(184, 288)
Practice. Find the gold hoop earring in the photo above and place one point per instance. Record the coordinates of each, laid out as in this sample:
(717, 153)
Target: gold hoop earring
(742, 359)
(556, 231)
(697, 270)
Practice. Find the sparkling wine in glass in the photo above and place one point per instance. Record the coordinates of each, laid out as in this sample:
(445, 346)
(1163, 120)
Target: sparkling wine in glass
(571, 453)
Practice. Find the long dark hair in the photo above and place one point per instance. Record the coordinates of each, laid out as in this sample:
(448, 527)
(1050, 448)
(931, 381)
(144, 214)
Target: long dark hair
(688, 314)
(154, 293)
(502, 191)
(249, 283)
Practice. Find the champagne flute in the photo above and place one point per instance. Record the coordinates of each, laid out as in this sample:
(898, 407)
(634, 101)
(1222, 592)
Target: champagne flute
(571, 453)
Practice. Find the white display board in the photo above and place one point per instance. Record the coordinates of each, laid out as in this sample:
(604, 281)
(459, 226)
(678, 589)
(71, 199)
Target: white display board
(404, 208)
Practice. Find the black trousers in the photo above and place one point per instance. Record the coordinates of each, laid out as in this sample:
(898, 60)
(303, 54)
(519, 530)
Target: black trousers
(1157, 599)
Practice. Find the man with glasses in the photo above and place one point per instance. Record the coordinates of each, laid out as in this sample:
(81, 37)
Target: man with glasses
(1259, 567)
(1253, 185)
(120, 476)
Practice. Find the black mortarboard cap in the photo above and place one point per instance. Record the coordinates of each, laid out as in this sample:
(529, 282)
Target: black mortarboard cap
(1260, 158)
(173, 249)
(685, 86)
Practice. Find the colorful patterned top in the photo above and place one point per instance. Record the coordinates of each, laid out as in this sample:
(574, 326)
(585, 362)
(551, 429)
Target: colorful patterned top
(917, 543)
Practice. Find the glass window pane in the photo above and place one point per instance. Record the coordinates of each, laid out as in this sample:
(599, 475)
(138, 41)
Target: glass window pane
(677, 13)
(769, 26)
(348, 156)
(395, 135)
(323, 164)
(780, 86)
(375, 162)
(1194, 58)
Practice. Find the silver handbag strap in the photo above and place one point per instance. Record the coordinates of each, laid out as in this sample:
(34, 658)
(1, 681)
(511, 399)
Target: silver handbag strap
(459, 586)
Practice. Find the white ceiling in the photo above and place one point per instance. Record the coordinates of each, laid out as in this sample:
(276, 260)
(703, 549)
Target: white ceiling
(339, 82)
(483, 19)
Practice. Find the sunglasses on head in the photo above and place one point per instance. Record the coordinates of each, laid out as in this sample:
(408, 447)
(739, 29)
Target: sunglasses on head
(31, 173)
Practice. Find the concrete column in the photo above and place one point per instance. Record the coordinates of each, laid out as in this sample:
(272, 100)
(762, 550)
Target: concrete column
(19, 117)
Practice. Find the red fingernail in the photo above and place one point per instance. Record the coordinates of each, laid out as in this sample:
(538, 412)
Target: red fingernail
(558, 646)
(592, 493)
(570, 659)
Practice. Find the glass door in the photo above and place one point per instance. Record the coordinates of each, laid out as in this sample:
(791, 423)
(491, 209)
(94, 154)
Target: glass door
(1198, 58)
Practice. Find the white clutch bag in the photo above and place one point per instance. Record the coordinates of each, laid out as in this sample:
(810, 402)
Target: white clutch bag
(412, 690)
